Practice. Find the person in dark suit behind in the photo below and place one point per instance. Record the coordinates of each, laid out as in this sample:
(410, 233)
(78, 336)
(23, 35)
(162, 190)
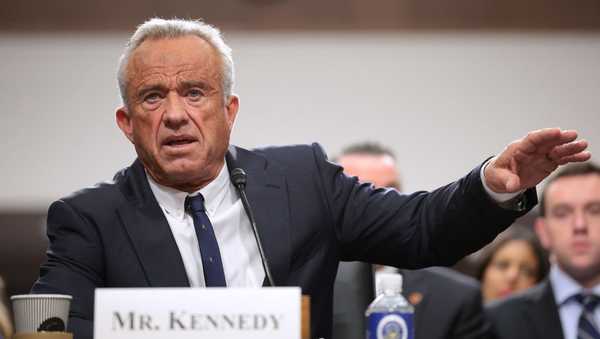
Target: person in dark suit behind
(175, 218)
(447, 304)
(353, 291)
(564, 305)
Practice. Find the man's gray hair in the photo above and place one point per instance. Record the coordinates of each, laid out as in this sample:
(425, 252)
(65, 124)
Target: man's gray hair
(157, 28)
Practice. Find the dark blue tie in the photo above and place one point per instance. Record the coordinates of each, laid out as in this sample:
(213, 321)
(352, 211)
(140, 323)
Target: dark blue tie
(209, 248)
(587, 326)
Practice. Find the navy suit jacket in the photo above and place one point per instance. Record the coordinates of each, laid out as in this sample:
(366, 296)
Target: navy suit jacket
(532, 314)
(309, 214)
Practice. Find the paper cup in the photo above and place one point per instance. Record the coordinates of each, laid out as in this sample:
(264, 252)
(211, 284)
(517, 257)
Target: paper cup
(41, 312)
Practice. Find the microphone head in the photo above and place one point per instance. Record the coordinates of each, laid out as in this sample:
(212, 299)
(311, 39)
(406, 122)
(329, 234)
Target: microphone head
(238, 177)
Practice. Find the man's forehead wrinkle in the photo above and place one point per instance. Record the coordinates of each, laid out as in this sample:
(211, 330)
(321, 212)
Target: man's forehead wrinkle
(181, 74)
(178, 79)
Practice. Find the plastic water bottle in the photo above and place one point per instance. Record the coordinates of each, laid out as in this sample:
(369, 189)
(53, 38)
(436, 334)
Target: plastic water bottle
(390, 315)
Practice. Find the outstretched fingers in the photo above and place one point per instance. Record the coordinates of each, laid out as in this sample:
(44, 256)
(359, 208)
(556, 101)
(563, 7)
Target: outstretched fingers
(567, 150)
(544, 140)
(579, 157)
(526, 162)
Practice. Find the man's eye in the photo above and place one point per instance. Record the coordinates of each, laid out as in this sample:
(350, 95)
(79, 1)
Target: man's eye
(195, 93)
(561, 212)
(594, 209)
(152, 98)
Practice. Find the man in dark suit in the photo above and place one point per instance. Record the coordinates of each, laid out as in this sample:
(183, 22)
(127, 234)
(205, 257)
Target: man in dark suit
(353, 291)
(447, 303)
(174, 217)
(563, 306)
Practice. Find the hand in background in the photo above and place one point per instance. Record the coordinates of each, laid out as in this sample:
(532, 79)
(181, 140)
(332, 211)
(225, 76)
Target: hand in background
(526, 162)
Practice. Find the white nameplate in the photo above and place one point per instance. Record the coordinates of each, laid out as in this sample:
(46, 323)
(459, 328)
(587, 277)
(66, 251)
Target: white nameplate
(182, 313)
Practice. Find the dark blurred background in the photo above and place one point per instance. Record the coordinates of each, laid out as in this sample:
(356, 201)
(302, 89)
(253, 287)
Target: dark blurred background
(75, 15)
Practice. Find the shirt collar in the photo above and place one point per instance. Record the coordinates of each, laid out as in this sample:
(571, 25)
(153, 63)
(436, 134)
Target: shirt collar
(565, 287)
(215, 191)
(172, 200)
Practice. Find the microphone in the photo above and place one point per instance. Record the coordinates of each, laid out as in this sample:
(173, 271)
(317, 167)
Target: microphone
(238, 178)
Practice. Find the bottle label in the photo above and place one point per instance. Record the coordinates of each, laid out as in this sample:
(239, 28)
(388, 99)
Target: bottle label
(390, 325)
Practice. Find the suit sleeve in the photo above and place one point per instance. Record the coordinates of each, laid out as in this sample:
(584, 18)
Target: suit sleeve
(411, 231)
(74, 264)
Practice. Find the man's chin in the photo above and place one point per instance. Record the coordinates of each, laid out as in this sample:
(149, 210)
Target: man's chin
(181, 176)
(184, 174)
(190, 177)
(183, 169)
(584, 269)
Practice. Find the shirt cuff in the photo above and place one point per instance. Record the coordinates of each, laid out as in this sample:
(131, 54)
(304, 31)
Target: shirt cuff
(497, 197)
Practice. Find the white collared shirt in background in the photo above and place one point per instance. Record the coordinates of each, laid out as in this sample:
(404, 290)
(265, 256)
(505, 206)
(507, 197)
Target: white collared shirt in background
(569, 310)
(239, 253)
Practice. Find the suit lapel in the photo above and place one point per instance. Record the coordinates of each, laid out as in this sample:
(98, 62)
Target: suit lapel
(267, 194)
(543, 313)
(149, 232)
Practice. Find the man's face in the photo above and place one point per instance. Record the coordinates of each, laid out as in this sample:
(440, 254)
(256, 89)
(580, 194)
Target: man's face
(571, 228)
(380, 170)
(177, 117)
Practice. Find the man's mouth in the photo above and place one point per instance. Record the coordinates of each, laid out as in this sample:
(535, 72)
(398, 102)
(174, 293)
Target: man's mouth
(580, 245)
(179, 140)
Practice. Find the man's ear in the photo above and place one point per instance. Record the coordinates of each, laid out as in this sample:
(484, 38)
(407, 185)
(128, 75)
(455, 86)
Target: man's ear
(541, 229)
(231, 107)
(124, 122)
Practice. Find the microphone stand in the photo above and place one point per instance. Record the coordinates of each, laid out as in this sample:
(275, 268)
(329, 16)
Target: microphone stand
(238, 178)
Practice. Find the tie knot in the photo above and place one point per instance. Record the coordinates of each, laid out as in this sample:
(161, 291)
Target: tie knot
(588, 301)
(195, 203)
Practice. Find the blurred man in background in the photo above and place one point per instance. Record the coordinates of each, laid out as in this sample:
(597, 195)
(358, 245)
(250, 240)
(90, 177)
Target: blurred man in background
(565, 305)
(447, 304)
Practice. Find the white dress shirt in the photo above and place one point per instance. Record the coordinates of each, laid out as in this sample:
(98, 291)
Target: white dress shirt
(239, 253)
(564, 288)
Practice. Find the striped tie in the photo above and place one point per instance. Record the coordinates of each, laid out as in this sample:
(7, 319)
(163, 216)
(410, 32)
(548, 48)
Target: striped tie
(587, 328)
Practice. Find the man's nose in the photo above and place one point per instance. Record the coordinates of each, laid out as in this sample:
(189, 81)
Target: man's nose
(579, 221)
(175, 114)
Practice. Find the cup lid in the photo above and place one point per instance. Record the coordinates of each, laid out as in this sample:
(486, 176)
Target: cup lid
(41, 296)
